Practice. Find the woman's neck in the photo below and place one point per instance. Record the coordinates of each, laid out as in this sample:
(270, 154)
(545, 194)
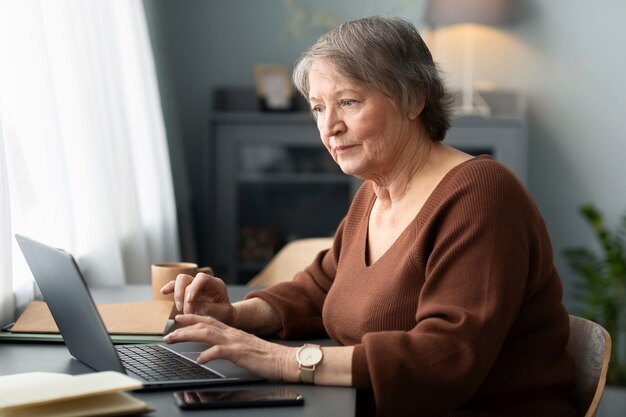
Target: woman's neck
(394, 185)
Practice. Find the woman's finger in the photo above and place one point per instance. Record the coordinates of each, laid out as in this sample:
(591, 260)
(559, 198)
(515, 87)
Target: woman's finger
(198, 285)
(168, 288)
(182, 282)
(198, 332)
(190, 319)
(212, 353)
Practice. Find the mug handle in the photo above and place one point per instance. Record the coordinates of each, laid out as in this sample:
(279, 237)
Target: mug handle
(206, 270)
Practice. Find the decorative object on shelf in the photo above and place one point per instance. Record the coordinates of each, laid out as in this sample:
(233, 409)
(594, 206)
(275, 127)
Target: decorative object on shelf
(602, 288)
(274, 88)
(482, 12)
(257, 243)
(306, 20)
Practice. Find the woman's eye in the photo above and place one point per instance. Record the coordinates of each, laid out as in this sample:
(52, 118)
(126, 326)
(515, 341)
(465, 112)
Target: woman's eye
(348, 103)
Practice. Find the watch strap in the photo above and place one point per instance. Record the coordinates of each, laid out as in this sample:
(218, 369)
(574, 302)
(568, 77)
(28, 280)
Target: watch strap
(307, 373)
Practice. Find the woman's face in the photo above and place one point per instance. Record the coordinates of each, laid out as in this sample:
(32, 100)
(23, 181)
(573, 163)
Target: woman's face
(362, 128)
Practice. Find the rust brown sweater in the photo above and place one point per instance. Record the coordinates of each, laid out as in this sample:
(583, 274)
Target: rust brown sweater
(462, 316)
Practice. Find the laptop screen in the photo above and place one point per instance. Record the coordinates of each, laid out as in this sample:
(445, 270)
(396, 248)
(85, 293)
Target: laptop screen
(64, 289)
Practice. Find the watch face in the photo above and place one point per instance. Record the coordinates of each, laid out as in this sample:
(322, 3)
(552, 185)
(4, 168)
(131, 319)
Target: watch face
(310, 355)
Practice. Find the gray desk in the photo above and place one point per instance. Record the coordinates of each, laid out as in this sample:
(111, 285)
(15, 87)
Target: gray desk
(54, 357)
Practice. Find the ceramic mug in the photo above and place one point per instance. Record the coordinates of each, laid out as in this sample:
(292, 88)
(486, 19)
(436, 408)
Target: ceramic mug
(163, 273)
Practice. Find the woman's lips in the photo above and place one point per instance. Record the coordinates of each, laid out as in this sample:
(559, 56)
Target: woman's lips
(343, 148)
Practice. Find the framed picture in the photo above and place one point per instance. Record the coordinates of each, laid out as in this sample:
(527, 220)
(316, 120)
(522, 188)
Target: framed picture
(273, 86)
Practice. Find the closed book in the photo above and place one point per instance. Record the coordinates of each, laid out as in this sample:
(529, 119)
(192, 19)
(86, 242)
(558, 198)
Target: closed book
(53, 394)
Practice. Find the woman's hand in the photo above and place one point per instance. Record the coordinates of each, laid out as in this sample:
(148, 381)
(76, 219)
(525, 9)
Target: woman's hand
(269, 360)
(204, 295)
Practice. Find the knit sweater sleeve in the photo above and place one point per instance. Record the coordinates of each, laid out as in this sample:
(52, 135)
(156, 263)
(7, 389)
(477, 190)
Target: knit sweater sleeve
(474, 246)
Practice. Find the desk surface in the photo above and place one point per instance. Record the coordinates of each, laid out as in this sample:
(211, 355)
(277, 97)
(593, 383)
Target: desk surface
(54, 357)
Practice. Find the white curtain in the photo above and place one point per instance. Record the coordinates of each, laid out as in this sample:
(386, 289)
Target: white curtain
(83, 156)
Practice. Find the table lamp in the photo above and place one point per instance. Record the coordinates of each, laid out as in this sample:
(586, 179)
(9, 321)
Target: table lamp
(484, 12)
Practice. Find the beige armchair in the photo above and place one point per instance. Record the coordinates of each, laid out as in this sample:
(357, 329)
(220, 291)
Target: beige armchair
(292, 258)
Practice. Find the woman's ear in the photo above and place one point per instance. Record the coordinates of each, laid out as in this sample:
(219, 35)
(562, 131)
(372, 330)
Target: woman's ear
(418, 110)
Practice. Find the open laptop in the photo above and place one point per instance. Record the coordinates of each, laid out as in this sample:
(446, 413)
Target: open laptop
(65, 291)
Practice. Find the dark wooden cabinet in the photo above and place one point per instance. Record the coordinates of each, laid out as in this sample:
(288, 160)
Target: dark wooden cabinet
(275, 182)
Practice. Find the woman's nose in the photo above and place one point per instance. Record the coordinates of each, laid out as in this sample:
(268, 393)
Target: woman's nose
(332, 124)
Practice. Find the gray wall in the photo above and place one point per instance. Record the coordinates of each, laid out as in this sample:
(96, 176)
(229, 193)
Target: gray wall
(567, 56)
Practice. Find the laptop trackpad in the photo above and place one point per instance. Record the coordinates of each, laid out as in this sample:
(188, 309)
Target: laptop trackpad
(221, 366)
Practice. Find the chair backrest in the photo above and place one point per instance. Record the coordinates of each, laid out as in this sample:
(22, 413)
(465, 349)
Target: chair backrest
(292, 258)
(589, 345)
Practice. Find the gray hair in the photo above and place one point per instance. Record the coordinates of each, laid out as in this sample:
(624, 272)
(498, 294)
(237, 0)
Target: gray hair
(388, 55)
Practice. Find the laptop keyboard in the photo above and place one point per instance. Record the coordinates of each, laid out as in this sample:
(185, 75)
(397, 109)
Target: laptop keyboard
(155, 363)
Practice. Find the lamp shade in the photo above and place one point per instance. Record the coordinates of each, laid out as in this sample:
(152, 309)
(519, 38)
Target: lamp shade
(450, 12)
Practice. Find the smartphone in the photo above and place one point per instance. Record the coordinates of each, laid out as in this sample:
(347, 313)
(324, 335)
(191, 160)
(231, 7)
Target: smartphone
(263, 397)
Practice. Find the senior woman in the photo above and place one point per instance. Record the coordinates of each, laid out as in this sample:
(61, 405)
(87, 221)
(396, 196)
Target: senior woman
(439, 287)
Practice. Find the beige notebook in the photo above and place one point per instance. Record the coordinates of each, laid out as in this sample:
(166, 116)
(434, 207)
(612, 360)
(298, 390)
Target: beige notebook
(50, 394)
(140, 317)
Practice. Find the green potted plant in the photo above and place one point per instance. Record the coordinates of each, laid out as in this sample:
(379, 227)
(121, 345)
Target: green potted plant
(601, 287)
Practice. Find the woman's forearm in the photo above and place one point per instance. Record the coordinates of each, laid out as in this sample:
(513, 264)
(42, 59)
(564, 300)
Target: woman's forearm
(336, 366)
(256, 316)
